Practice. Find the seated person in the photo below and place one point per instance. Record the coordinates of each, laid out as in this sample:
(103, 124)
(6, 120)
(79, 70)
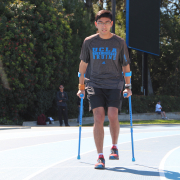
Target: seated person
(159, 110)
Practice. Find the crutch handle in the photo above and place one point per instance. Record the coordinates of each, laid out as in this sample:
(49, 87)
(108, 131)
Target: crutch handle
(81, 95)
(125, 94)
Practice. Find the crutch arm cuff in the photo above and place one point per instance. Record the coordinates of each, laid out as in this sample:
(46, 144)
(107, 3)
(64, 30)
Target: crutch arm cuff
(79, 74)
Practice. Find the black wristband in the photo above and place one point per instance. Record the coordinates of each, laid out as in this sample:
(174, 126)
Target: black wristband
(128, 87)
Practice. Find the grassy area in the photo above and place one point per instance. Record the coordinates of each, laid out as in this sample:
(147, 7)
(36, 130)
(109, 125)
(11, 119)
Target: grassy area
(156, 121)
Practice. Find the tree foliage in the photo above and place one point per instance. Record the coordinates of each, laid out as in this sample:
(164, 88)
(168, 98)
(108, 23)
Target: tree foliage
(146, 104)
(35, 49)
(40, 44)
(82, 26)
(164, 70)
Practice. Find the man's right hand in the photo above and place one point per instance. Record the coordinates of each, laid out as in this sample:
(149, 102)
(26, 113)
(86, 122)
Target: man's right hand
(81, 92)
(128, 91)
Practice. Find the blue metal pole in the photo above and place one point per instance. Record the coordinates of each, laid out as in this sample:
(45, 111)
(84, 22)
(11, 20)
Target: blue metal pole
(130, 114)
(80, 125)
(131, 123)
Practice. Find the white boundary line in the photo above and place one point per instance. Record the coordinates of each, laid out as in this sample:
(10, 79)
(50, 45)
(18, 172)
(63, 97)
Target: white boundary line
(38, 172)
(161, 166)
(81, 138)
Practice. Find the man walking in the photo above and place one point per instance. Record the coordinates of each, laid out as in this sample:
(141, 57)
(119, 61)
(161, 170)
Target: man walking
(103, 57)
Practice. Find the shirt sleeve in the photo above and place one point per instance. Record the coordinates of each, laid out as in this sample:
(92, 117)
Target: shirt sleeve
(124, 55)
(85, 56)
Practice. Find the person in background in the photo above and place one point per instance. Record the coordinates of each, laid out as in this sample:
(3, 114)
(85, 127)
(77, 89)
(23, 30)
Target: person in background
(160, 111)
(62, 97)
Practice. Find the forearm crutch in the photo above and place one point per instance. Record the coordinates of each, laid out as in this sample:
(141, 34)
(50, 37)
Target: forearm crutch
(80, 125)
(130, 114)
(80, 120)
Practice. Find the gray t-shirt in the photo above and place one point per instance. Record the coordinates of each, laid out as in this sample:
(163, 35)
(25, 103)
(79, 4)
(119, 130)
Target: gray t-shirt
(105, 58)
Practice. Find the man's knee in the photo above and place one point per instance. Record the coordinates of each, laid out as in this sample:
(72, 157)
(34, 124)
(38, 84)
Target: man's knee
(112, 113)
(99, 115)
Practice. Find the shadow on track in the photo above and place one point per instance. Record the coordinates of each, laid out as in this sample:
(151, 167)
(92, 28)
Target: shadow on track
(168, 174)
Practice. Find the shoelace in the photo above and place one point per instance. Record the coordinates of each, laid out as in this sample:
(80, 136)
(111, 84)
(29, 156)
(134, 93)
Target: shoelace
(101, 159)
(113, 150)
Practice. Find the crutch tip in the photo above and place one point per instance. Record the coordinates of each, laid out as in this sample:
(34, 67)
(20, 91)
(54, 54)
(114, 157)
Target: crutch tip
(133, 159)
(78, 157)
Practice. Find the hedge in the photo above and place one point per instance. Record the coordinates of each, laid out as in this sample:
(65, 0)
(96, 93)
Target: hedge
(73, 110)
(140, 104)
(36, 52)
(146, 104)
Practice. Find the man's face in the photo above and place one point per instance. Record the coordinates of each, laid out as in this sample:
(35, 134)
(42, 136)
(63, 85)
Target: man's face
(61, 88)
(104, 25)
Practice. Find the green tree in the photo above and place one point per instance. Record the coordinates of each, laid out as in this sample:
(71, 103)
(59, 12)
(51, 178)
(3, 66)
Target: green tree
(165, 69)
(81, 25)
(35, 49)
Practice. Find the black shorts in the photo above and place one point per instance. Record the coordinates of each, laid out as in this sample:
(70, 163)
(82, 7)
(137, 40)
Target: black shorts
(103, 97)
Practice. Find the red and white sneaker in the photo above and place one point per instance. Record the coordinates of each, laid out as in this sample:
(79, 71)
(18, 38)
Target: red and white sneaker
(100, 163)
(114, 154)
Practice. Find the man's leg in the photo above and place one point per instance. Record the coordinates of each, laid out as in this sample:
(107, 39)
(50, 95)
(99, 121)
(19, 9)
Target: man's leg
(99, 115)
(114, 129)
(162, 115)
(78, 115)
(114, 123)
(65, 115)
(60, 115)
(97, 103)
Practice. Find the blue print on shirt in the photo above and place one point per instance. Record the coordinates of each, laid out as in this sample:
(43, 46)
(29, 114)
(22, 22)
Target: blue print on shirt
(104, 53)
(125, 57)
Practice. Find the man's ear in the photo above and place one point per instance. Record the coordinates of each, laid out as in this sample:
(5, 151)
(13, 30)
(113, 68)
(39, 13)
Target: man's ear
(95, 24)
(111, 23)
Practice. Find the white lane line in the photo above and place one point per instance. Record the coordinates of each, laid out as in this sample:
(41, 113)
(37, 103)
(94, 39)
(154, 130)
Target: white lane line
(64, 167)
(161, 166)
(50, 166)
(136, 150)
(43, 144)
(22, 135)
(38, 172)
(172, 166)
(32, 134)
(81, 138)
